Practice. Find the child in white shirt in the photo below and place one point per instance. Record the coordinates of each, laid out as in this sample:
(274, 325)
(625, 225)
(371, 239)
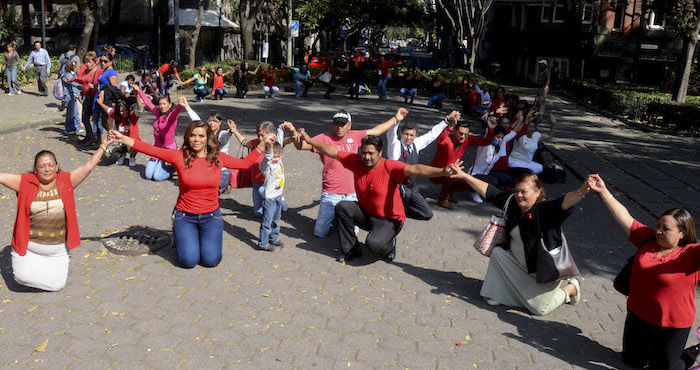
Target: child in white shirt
(273, 169)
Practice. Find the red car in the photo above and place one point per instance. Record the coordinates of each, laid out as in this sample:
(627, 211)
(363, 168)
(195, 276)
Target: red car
(319, 61)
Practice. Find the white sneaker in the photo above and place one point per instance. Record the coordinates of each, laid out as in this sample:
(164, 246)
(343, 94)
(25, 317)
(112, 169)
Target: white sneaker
(19, 92)
(10, 94)
(477, 198)
(132, 162)
(492, 302)
(121, 159)
(81, 132)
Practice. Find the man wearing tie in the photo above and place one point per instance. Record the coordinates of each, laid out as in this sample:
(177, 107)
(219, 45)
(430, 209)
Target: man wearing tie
(406, 148)
(39, 57)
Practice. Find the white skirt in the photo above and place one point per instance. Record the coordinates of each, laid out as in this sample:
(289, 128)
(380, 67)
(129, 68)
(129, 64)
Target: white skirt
(45, 266)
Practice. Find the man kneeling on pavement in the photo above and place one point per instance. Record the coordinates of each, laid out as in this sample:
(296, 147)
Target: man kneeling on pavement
(379, 208)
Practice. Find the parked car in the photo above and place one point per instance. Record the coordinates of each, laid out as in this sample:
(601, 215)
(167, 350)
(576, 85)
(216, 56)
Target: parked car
(125, 53)
(425, 61)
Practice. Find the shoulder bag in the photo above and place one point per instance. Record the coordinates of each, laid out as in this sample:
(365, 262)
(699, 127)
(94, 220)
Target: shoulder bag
(495, 232)
(623, 278)
(241, 178)
(555, 264)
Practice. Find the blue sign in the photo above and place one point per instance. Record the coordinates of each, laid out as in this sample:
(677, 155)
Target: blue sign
(295, 28)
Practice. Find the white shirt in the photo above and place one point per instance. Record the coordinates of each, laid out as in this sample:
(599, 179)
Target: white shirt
(224, 137)
(485, 96)
(274, 176)
(486, 156)
(394, 142)
(525, 147)
(127, 87)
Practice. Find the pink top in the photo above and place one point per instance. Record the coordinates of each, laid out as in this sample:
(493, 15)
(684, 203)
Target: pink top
(336, 178)
(164, 125)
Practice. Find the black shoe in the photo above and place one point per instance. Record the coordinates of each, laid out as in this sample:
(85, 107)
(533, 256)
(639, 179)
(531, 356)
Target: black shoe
(411, 100)
(392, 253)
(270, 248)
(278, 243)
(356, 251)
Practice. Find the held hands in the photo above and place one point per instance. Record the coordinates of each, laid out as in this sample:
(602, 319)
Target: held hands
(303, 135)
(596, 183)
(585, 186)
(115, 136)
(456, 170)
(287, 126)
(401, 114)
(232, 125)
(109, 139)
(270, 139)
(453, 117)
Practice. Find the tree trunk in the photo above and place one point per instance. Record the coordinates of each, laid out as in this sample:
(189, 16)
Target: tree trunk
(114, 21)
(96, 28)
(195, 35)
(685, 65)
(247, 11)
(87, 30)
(27, 20)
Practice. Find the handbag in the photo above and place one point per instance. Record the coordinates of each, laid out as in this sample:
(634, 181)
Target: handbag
(623, 278)
(555, 264)
(241, 178)
(325, 77)
(495, 232)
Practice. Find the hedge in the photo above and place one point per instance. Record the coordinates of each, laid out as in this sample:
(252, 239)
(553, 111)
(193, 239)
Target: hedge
(640, 104)
(24, 77)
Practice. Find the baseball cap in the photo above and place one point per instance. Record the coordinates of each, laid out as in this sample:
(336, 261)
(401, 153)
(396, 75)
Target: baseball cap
(543, 61)
(342, 116)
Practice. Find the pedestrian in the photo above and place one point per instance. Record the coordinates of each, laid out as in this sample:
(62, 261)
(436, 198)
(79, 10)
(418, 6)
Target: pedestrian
(533, 221)
(526, 145)
(166, 74)
(127, 90)
(404, 145)
(357, 77)
(272, 168)
(72, 91)
(543, 79)
(241, 75)
(200, 89)
(39, 57)
(337, 184)
(452, 143)
(662, 287)
(270, 76)
(384, 76)
(436, 88)
(107, 82)
(69, 56)
(10, 59)
(485, 100)
(89, 73)
(409, 85)
(127, 122)
(218, 89)
(46, 226)
(197, 221)
(327, 77)
(379, 208)
(302, 76)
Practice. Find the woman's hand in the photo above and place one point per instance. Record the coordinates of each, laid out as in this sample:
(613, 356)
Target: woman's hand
(135, 87)
(183, 102)
(596, 183)
(585, 186)
(116, 136)
(457, 170)
(101, 97)
(109, 139)
(232, 125)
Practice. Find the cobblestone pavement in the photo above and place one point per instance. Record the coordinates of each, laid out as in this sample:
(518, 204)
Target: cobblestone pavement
(298, 307)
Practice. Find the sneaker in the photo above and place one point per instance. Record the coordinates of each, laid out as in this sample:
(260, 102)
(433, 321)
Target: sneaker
(10, 94)
(19, 92)
(121, 159)
(356, 251)
(81, 132)
(132, 162)
(270, 248)
(477, 198)
(491, 302)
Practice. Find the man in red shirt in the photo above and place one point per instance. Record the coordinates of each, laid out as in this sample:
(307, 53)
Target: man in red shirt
(452, 143)
(379, 208)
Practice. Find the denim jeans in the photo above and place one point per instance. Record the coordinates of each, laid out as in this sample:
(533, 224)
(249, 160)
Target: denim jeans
(220, 92)
(201, 93)
(156, 171)
(307, 85)
(270, 225)
(224, 180)
(12, 79)
(381, 88)
(72, 115)
(408, 92)
(480, 109)
(258, 190)
(198, 238)
(326, 211)
(435, 99)
(97, 128)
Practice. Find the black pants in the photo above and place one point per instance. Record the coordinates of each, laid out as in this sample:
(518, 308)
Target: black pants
(417, 207)
(242, 87)
(381, 230)
(357, 78)
(644, 343)
(87, 116)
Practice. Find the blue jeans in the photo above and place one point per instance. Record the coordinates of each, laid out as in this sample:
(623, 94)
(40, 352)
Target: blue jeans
(435, 99)
(480, 109)
(408, 92)
(224, 180)
(201, 93)
(258, 190)
(220, 92)
(156, 171)
(307, 85)
(381, 88)
(72, 115)
(326, 211)
(12, 79)
(97, 128)
(270, 225)
(198, 238)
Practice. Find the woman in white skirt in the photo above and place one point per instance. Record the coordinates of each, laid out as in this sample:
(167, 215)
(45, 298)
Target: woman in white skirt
(511, 275)
(46, 227)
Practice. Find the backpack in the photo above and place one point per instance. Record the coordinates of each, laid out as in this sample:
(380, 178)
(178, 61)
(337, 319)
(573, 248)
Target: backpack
(553, 173)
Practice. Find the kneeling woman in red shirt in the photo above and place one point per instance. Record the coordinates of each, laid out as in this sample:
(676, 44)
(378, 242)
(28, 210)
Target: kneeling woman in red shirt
(665, 273)
(197, 222)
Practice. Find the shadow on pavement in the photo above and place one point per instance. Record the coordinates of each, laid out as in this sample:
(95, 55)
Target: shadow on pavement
(6, 271)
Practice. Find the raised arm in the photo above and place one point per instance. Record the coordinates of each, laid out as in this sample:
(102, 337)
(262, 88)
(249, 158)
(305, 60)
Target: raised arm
(617, 210)
(233, 129)
(476, 184)
(231, 162)
(227, 73)
(430, 79)
(11, 181)
(381, 128)
(424, 140)
(421, 170)
(548, 136)
(79, 174)
(188, 80)
(149, 104)
(323, 148)
(573, 197)
(393, 143)
(190, 112)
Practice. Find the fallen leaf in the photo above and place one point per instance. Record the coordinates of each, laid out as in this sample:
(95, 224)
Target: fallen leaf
(42, 347)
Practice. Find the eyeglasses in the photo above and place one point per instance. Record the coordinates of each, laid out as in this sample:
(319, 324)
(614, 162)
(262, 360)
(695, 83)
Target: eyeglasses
(104, 61)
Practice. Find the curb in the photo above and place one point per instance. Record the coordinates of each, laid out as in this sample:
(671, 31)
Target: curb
(25, 126)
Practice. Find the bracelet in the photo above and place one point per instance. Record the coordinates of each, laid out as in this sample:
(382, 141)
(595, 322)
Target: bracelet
(102, 146)
(396, 121)
(580, 193)
(607, 198)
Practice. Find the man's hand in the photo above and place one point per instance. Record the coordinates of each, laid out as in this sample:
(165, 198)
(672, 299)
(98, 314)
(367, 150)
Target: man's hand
(502, 110)
(492, 122)
(454, 116)
(456, 169)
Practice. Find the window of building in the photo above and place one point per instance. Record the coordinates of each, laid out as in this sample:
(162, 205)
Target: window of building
(559, 13)
(546, 15)
(587, 15)
(657, 21)
(619, 21)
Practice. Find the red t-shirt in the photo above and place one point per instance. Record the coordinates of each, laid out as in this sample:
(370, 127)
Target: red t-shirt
(128, 127)
(662, 290)
(218, 82)
(336, 178)
(163, 70)
(377, 189)
(270, 77)
(90, 78)
(446, 152)
(199, 184)
(383, 68)
(356, 61)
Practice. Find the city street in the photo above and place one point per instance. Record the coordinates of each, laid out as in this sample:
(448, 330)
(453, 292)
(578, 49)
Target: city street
(298, 307)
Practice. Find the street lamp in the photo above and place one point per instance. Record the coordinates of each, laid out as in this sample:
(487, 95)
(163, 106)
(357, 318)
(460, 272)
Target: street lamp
(43, 24)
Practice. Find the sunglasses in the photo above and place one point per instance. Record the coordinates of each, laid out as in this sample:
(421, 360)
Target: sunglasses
(104, 61)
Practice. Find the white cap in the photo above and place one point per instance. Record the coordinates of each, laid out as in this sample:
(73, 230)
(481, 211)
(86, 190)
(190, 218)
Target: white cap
(342, 116)
(543, 61)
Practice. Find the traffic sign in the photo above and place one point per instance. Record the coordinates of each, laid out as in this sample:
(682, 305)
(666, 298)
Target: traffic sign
(295, 28)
